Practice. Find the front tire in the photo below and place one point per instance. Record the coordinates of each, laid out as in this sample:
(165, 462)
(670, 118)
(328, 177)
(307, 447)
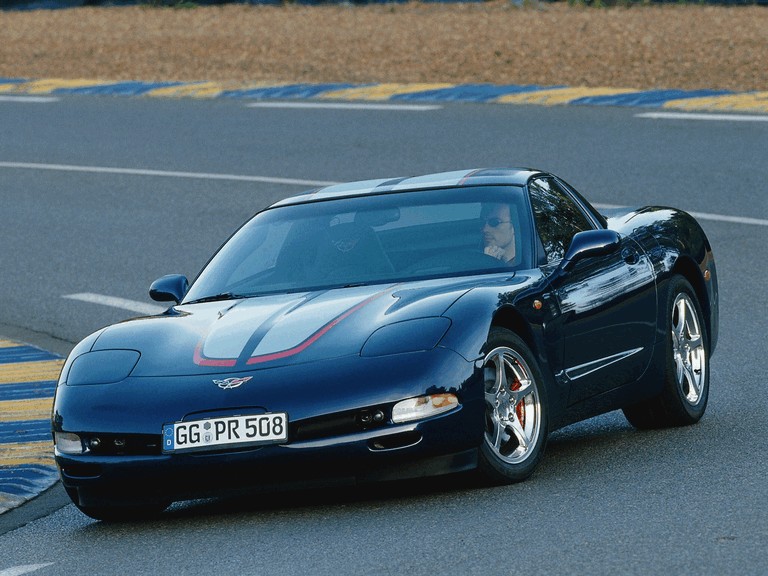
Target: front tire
(516, 410)
(684, 396)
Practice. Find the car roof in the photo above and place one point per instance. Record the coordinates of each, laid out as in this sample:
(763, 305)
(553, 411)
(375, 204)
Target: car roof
(455, 179)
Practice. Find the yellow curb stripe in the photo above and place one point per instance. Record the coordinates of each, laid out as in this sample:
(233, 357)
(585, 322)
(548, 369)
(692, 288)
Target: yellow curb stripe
(30, 409)
(47, 86)
(196, 90)
(8, 88)
(30, 371)
(751, 102)
(27, 453)
(556, 96)
(9, 343)
(209, 89)
(382, 91)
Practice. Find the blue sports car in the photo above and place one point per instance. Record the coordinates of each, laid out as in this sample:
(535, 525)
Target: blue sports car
(390, 329)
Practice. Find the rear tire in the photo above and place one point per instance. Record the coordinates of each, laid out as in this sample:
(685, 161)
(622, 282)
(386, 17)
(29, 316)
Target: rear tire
(684, 396)
(516, 410)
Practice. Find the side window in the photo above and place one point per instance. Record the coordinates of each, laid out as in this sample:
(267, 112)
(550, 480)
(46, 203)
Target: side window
(558, 217)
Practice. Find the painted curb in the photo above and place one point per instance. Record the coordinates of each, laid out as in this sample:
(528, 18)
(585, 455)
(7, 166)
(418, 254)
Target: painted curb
(755, 102)
(28, 378)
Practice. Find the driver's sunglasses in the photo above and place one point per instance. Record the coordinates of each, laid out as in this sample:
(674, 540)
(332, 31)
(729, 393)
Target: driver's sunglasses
(494, 222)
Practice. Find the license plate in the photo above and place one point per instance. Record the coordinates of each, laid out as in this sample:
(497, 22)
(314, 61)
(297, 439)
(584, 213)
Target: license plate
(230, 432)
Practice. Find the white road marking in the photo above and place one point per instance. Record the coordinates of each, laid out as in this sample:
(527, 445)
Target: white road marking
(689, 116)
(733, 219)
(114, 302)
(26, 569)
(164, 173)
(29, 99)
(707, 216)
(346, 106)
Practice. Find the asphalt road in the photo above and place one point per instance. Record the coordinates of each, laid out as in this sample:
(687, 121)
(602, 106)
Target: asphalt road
(606, 500)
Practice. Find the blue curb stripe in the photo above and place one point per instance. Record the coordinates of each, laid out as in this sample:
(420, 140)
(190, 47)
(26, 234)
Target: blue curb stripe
(26, 481)
(649, 98)
(467, 93)
(6, 473)
(25, 431)
(287, 91)
(24, 354)
(28, 390)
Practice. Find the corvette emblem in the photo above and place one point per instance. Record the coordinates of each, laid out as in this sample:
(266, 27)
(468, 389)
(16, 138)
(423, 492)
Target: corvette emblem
(230, 383)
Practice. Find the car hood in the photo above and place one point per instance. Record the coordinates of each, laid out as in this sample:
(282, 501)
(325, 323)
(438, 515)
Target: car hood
(274, 330)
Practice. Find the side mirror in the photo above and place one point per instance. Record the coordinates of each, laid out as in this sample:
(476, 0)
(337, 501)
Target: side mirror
(170, 288)
(589, 244)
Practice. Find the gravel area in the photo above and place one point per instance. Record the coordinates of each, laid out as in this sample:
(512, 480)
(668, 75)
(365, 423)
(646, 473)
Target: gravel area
(642, 46)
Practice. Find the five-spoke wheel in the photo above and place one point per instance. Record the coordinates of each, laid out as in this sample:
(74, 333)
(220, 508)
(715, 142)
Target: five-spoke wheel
(515, 414)
(688, 350)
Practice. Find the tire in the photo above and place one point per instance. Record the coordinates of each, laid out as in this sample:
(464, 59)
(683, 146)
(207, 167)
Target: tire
(685, 392)
(120, 512)
(516, 410)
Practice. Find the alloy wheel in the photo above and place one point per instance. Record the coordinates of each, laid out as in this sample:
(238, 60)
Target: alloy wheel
(513, 406)
(688, 350)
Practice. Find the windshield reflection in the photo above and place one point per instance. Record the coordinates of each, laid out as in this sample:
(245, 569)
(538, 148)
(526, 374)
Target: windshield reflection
(392, 237)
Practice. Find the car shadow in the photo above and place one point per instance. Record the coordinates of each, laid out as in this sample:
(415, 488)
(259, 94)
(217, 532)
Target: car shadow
(584, 445)
(314, 497)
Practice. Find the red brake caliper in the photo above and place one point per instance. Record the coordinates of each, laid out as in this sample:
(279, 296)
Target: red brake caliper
(520, 406)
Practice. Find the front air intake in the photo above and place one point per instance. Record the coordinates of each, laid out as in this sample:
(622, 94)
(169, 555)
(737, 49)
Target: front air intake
(395, 441)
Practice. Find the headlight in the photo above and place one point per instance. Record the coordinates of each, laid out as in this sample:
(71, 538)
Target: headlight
(423, 407)
(68, 443)
(408, 336)
(102, 367)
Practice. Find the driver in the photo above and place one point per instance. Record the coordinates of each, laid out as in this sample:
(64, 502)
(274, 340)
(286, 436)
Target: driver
(498, 232)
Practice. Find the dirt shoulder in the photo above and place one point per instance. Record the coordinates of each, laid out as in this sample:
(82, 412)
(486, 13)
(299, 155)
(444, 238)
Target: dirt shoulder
(643, 47)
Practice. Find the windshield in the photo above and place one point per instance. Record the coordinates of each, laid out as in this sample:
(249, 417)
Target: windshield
(392, 237)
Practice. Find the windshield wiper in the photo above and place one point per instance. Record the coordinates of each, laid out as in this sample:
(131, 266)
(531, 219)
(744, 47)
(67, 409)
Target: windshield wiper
(217, 298)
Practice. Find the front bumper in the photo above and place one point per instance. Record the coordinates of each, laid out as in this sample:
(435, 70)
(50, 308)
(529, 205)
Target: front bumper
(444, 444)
